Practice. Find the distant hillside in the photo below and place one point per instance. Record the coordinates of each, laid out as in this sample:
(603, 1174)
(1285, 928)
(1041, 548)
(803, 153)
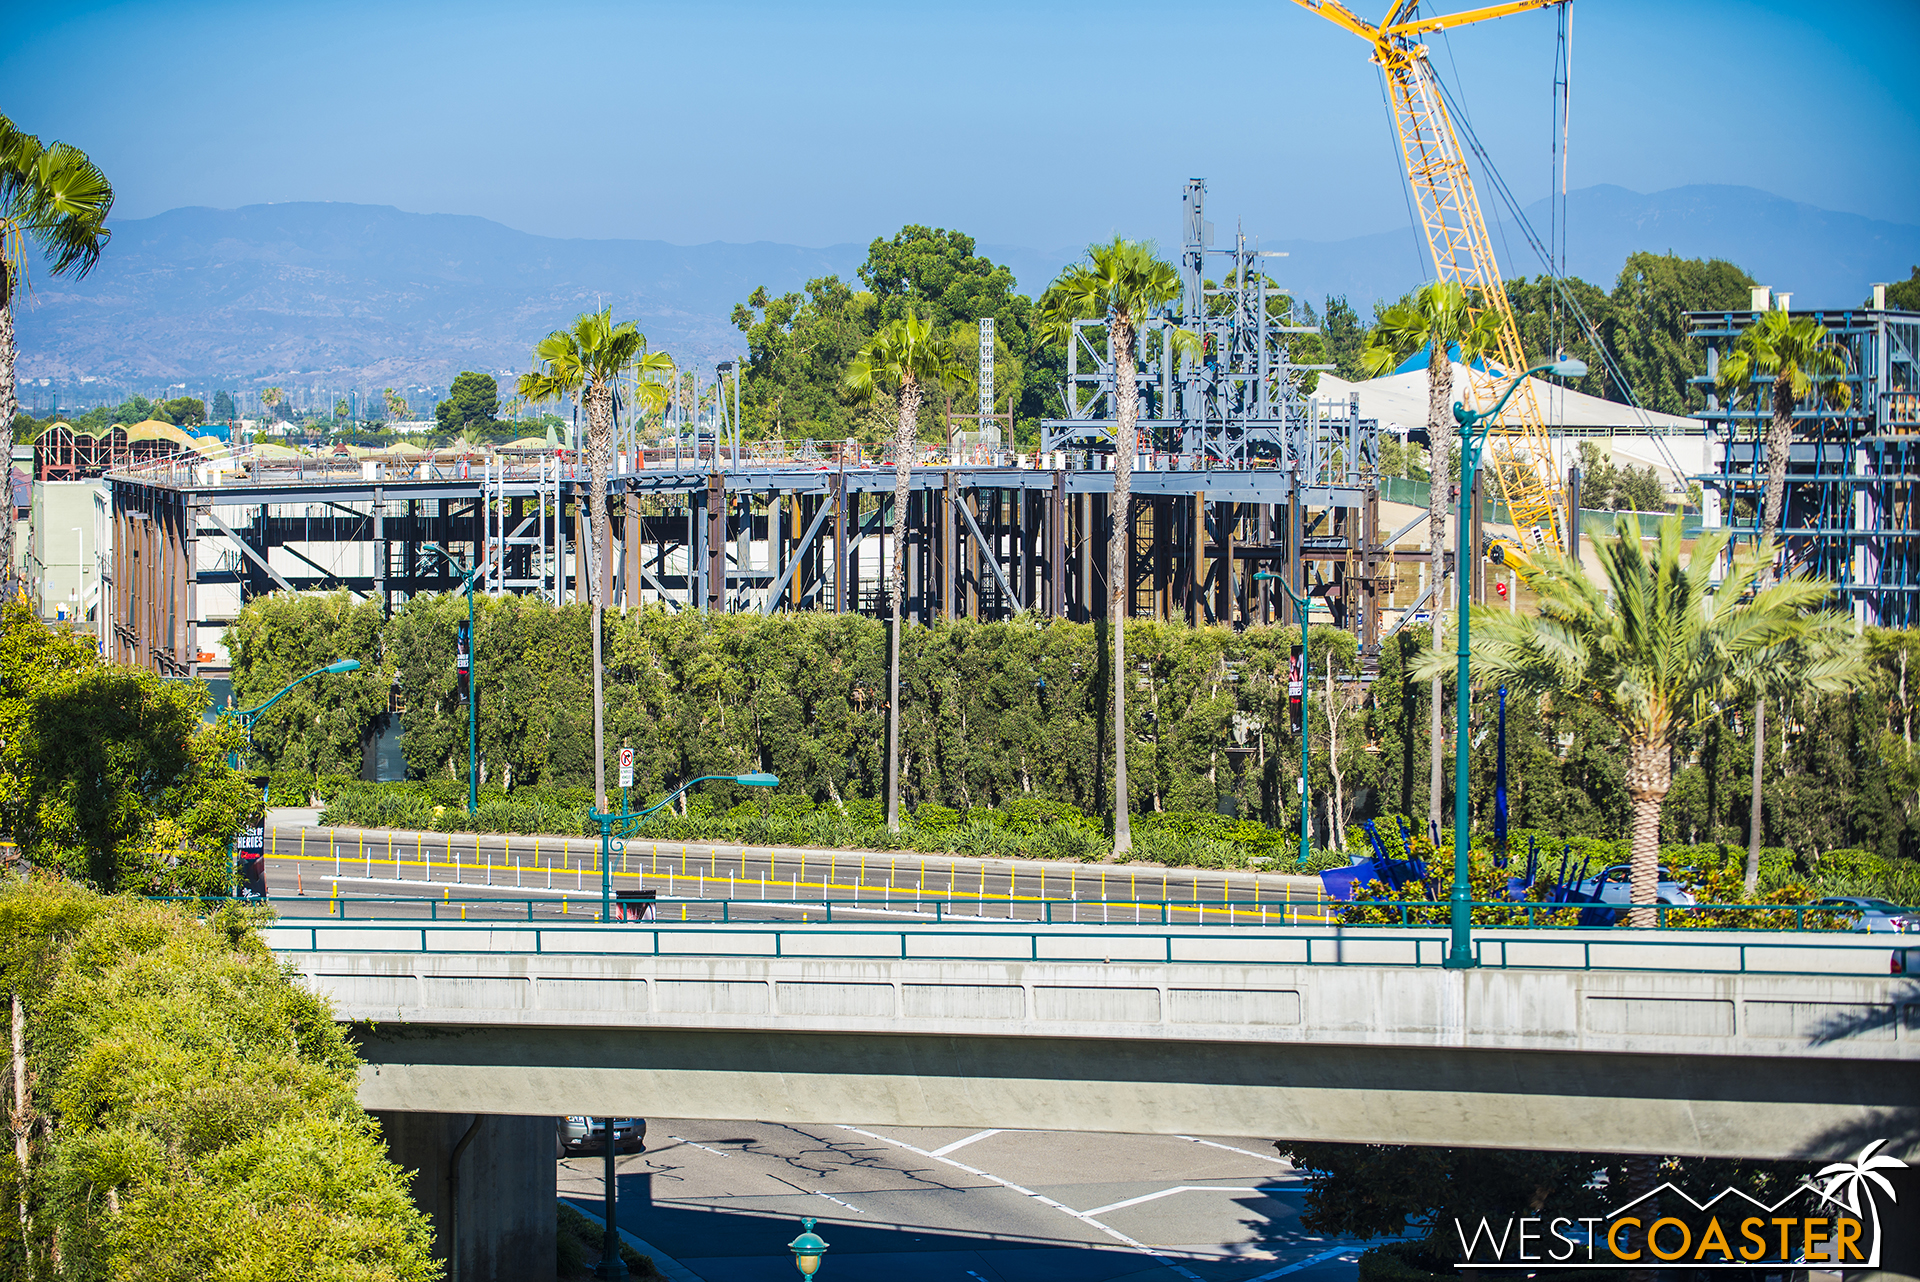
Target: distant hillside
(370, 295)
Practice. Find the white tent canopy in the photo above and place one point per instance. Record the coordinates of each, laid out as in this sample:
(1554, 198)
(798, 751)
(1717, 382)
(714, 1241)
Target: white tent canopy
(1672, 444)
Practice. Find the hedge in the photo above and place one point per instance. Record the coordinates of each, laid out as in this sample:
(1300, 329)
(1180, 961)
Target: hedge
(998, 712)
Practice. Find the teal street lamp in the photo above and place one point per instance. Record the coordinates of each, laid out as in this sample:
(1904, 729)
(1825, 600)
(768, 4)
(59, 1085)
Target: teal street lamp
(807, 1249)
(247, 716)
(1474, 426)
(626, 822)
(1302, 603)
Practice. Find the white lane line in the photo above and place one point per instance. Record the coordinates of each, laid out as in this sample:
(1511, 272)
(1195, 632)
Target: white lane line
(1041, 1198)
(1184, 1188)
(1265, 1157)
(1308, 1263)
(837, 1202)
(962, 1143)
(702, 1147)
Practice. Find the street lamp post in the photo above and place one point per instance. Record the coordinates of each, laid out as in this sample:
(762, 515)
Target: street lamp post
(1474, 426)
(1300, 603)
(807, 1249)
(626, 823)
(247, 716)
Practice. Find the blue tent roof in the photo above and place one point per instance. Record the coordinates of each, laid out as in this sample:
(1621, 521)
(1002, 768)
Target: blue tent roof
(1417, 363)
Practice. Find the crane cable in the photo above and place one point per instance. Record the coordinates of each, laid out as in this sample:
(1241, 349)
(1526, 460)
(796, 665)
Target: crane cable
(1582, 320)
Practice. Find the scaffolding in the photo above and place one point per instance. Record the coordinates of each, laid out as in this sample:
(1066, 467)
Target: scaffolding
(1853, 476)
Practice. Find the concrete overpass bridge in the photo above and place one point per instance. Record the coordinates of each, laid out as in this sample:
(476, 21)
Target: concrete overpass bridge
(1750, 1044)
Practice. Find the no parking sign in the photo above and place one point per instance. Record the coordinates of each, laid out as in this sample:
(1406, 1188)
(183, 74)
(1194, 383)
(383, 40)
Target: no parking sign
(626, 767)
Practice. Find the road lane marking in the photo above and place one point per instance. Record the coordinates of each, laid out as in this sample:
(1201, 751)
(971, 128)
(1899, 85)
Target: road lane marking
(1265, 1157)
(962, 1143)
(1183, 1188)
(702, 1147)
(1309, 1262)
(1041, 1198)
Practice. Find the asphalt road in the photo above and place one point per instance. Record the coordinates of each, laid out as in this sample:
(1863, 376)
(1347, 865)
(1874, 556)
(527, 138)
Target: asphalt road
(722, 1199)
(552, 876)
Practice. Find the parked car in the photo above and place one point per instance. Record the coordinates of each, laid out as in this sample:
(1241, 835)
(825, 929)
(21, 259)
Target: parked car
(1614, 885)
(1877, 916)
(589, 1135)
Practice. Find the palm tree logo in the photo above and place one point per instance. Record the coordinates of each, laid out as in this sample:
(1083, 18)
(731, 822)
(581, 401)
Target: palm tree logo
(1847, 1180)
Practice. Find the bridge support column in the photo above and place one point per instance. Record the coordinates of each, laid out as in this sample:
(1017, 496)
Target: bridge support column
(505, 1190)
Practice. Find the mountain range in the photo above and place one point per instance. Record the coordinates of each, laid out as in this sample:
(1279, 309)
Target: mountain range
(370, 295)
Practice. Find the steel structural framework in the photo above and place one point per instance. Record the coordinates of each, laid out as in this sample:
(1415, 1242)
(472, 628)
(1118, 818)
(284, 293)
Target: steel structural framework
(190, 547)
(1238, 403)
(1853, 492)
(1522, 456)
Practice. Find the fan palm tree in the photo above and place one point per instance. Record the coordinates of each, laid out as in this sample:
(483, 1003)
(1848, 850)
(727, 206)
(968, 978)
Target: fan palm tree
(1438, 317)
(1662, 653)
(1798, 360)
(1121, 282)
(906, 358)
(54, 203)
(587, 361)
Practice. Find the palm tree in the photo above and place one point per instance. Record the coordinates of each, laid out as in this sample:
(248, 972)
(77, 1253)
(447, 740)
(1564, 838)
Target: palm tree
(905, 357)
(1121, 283)
(1662, 653)
(269, 398)
(1438, 317)
(588, 360)
(1804, 365)
(396, 407)
(54, 203)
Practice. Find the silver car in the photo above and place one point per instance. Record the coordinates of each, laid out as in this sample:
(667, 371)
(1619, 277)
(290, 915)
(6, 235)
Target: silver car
(1615, 886)
(1876, 916)
(589, 1135)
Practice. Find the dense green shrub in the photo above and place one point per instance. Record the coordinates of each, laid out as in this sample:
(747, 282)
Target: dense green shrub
(192, 1110)
(1001, 714)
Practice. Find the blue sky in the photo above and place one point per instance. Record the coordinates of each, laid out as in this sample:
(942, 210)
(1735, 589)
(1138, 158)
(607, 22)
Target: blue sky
(1037, 124)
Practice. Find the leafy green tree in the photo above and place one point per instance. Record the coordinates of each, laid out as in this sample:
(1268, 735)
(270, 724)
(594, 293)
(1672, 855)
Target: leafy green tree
(223, 409)
(1121, 283)
(109, 774)
(53, 204)
(1794, 361)
(799, 346)
(1439, 316)
(1647, 328)
(185, 411)
(472, 402)
(906, 358)
(1661, 653)
(189, 1108)
(1343, 336)
(937, 275)
(1607, 485)
(1548, 326)
(317, 728)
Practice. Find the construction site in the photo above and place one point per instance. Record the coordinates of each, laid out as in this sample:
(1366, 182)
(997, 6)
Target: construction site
(1251, 496)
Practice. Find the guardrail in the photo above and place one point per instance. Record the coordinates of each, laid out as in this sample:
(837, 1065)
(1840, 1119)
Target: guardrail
(1836, 955)
(1163, 912)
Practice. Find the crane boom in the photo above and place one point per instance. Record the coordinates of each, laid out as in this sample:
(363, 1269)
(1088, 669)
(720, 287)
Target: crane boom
(1436, 165)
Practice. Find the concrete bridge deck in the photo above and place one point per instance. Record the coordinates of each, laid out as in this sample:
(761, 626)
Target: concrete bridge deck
(1712, 1043)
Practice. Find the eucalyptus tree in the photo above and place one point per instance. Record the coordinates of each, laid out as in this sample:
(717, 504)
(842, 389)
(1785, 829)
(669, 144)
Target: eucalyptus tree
(904, 357)
(589, 360)
(54, 203)
(1797, 362)
(1661, 652)
(1441, 318)
(1121, 283)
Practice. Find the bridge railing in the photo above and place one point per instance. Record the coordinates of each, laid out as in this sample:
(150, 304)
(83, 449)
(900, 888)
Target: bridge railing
(1771, 953)
(1365, 915)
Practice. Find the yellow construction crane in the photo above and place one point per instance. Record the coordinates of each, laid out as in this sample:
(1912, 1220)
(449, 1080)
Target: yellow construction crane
(1522, 456)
